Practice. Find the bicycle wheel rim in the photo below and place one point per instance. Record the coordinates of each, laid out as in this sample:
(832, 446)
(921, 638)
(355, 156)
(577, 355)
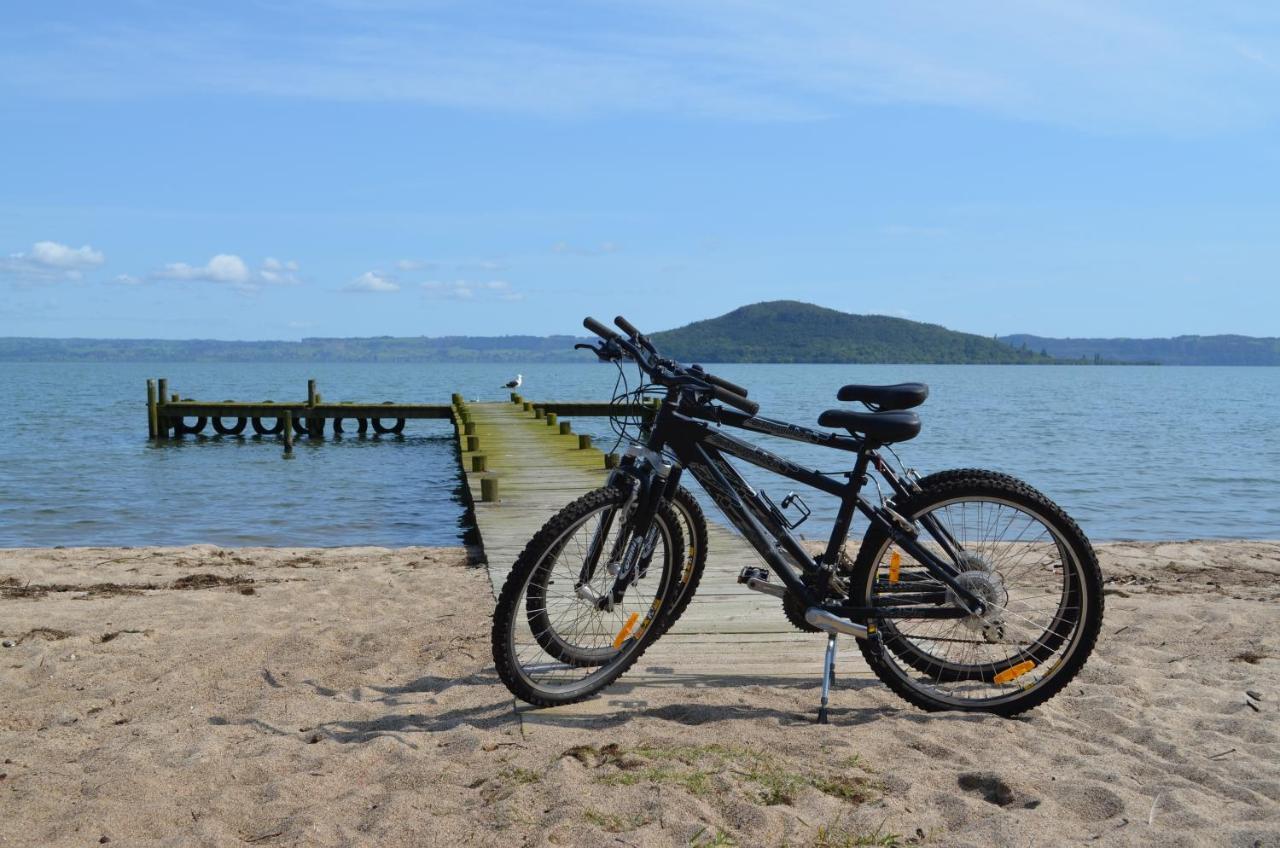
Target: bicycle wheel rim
(604, 642)
(1039, 634)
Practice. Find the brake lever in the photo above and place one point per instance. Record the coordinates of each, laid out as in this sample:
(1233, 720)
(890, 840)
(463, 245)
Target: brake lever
(606, 352)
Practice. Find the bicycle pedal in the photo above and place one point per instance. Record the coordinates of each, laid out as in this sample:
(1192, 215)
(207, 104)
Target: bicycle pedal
(757, 580)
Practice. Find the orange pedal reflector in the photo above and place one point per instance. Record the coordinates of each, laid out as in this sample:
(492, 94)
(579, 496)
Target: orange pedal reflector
(1013, 672)
(895, 562)
(626, 630)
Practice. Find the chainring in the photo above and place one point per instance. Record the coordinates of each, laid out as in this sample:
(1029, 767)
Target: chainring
(794, 608)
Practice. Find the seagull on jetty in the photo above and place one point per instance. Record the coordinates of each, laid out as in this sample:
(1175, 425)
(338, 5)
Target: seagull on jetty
(514, 384)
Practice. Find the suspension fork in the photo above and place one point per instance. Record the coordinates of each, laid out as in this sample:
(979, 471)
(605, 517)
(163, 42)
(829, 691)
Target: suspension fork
(633, 550)
(624, 476)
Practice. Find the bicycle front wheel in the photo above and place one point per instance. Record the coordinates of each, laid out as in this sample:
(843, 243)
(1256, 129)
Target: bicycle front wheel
(559, 634)
(1028, 562)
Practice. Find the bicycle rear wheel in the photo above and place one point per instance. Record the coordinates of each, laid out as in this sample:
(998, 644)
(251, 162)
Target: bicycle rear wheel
(1029, 563)
(556, 638)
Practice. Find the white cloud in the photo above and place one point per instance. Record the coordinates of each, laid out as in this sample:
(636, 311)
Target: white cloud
(54, 255)
(279, 273)
(373, 282)
(51, 261)
(230, 270)
(470, 290)
(223, 268)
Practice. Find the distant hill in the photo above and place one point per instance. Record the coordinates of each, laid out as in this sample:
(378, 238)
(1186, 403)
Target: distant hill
(776, 331)
(1180, 350)
(375, 349)
(791, 331)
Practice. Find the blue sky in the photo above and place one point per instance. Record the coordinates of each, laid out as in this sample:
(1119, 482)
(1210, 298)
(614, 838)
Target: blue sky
(286, 169)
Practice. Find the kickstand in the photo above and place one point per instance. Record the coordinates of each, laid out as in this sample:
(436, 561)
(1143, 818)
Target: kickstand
(828, 676)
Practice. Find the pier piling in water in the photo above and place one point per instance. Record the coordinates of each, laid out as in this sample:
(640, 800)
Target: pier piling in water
(152, 419)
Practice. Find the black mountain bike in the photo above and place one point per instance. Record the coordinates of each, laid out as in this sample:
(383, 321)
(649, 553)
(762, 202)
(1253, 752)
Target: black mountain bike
(970, 589)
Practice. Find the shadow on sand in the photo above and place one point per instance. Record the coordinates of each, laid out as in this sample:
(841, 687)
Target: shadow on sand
(501, 711)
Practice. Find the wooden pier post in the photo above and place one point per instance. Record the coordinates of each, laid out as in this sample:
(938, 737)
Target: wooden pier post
(152, 419)
(288, 431)
(539, 412)
(488, 489)
(311, 392)
(473, 444)
(456, 399)
(515, 398)
(551, 419)
(478, 462)
(611, 460)
(584, 441)
(315, 423)
(526, 405)
(566, 428)
(162, 397)
(469, 428)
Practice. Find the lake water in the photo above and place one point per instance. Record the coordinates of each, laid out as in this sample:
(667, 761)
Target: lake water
(1130, 452)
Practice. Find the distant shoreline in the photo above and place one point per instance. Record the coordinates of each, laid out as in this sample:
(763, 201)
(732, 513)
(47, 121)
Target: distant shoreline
(774, 332)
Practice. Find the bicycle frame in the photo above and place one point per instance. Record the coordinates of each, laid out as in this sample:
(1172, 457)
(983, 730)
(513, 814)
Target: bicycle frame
(684, 429)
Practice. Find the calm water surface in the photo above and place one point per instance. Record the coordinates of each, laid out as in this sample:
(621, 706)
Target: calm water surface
(1131, 452)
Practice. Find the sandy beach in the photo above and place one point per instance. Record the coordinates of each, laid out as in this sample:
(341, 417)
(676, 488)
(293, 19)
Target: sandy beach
(299, 697)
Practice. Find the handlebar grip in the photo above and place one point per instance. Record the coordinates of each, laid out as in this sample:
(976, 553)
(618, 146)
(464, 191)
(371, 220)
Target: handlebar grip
(724, 384)
(735, 400)
(627, 327)
(599, 329)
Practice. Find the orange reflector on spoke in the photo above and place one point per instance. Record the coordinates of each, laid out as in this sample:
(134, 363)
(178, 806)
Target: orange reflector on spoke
(626, 630)
(1013, 672)
(895, 563)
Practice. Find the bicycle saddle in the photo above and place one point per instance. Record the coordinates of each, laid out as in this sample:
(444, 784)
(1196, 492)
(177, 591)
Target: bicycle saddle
(881, 427)
(885, 398)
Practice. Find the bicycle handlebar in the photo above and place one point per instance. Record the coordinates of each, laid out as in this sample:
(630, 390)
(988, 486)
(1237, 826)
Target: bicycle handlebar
(639, 349)
(733, 399)
(627, 327)
(599, 329)
(718, 381)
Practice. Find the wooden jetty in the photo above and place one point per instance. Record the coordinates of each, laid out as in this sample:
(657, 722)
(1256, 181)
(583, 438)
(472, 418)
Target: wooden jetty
(522, 463)
(170, 415)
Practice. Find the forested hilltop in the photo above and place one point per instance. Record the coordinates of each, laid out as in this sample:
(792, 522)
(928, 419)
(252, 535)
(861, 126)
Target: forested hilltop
(777, 331)
(790, 331)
